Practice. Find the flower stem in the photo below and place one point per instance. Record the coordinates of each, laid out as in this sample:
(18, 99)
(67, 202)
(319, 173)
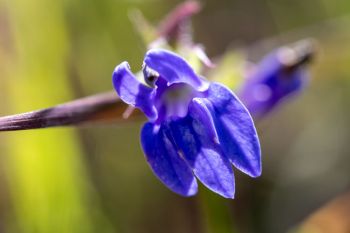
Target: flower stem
(100, 108)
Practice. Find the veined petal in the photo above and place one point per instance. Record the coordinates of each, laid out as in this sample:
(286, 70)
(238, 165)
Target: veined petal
(165, 161)
(235, 127)
(196, 137)
(173, 68)
(132, 91)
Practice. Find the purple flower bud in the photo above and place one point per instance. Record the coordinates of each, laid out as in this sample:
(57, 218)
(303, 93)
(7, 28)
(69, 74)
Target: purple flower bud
(280, 74)
(195, 129)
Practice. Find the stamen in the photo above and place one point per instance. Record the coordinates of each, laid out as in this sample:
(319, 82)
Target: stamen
(128, 111)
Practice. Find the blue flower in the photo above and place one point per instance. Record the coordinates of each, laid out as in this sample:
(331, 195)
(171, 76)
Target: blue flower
(195, 129)
(280, 74)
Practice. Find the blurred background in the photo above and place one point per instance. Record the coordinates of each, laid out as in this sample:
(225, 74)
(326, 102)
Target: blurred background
(95, 179)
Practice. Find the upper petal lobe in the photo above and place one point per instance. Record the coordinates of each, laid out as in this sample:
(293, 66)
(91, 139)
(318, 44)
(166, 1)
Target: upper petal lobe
(132, 91)
(173, 68)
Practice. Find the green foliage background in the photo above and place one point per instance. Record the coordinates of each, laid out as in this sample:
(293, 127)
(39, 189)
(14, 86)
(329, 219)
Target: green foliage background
(95, 179)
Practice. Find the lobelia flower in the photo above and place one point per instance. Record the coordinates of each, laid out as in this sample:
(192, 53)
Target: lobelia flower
(280, 74)
(195, 128)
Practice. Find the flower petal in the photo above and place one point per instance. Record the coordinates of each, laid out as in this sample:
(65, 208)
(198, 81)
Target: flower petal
(132, 91)
(165, 161)
(173, 68)
(235, 127)
(195, 136)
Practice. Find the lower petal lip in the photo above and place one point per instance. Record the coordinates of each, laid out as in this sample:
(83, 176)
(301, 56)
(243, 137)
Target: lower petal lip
(167, 165)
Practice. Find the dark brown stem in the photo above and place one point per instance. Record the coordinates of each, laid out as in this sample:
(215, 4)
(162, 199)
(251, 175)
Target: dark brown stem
(104, 107)
(170, 27)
